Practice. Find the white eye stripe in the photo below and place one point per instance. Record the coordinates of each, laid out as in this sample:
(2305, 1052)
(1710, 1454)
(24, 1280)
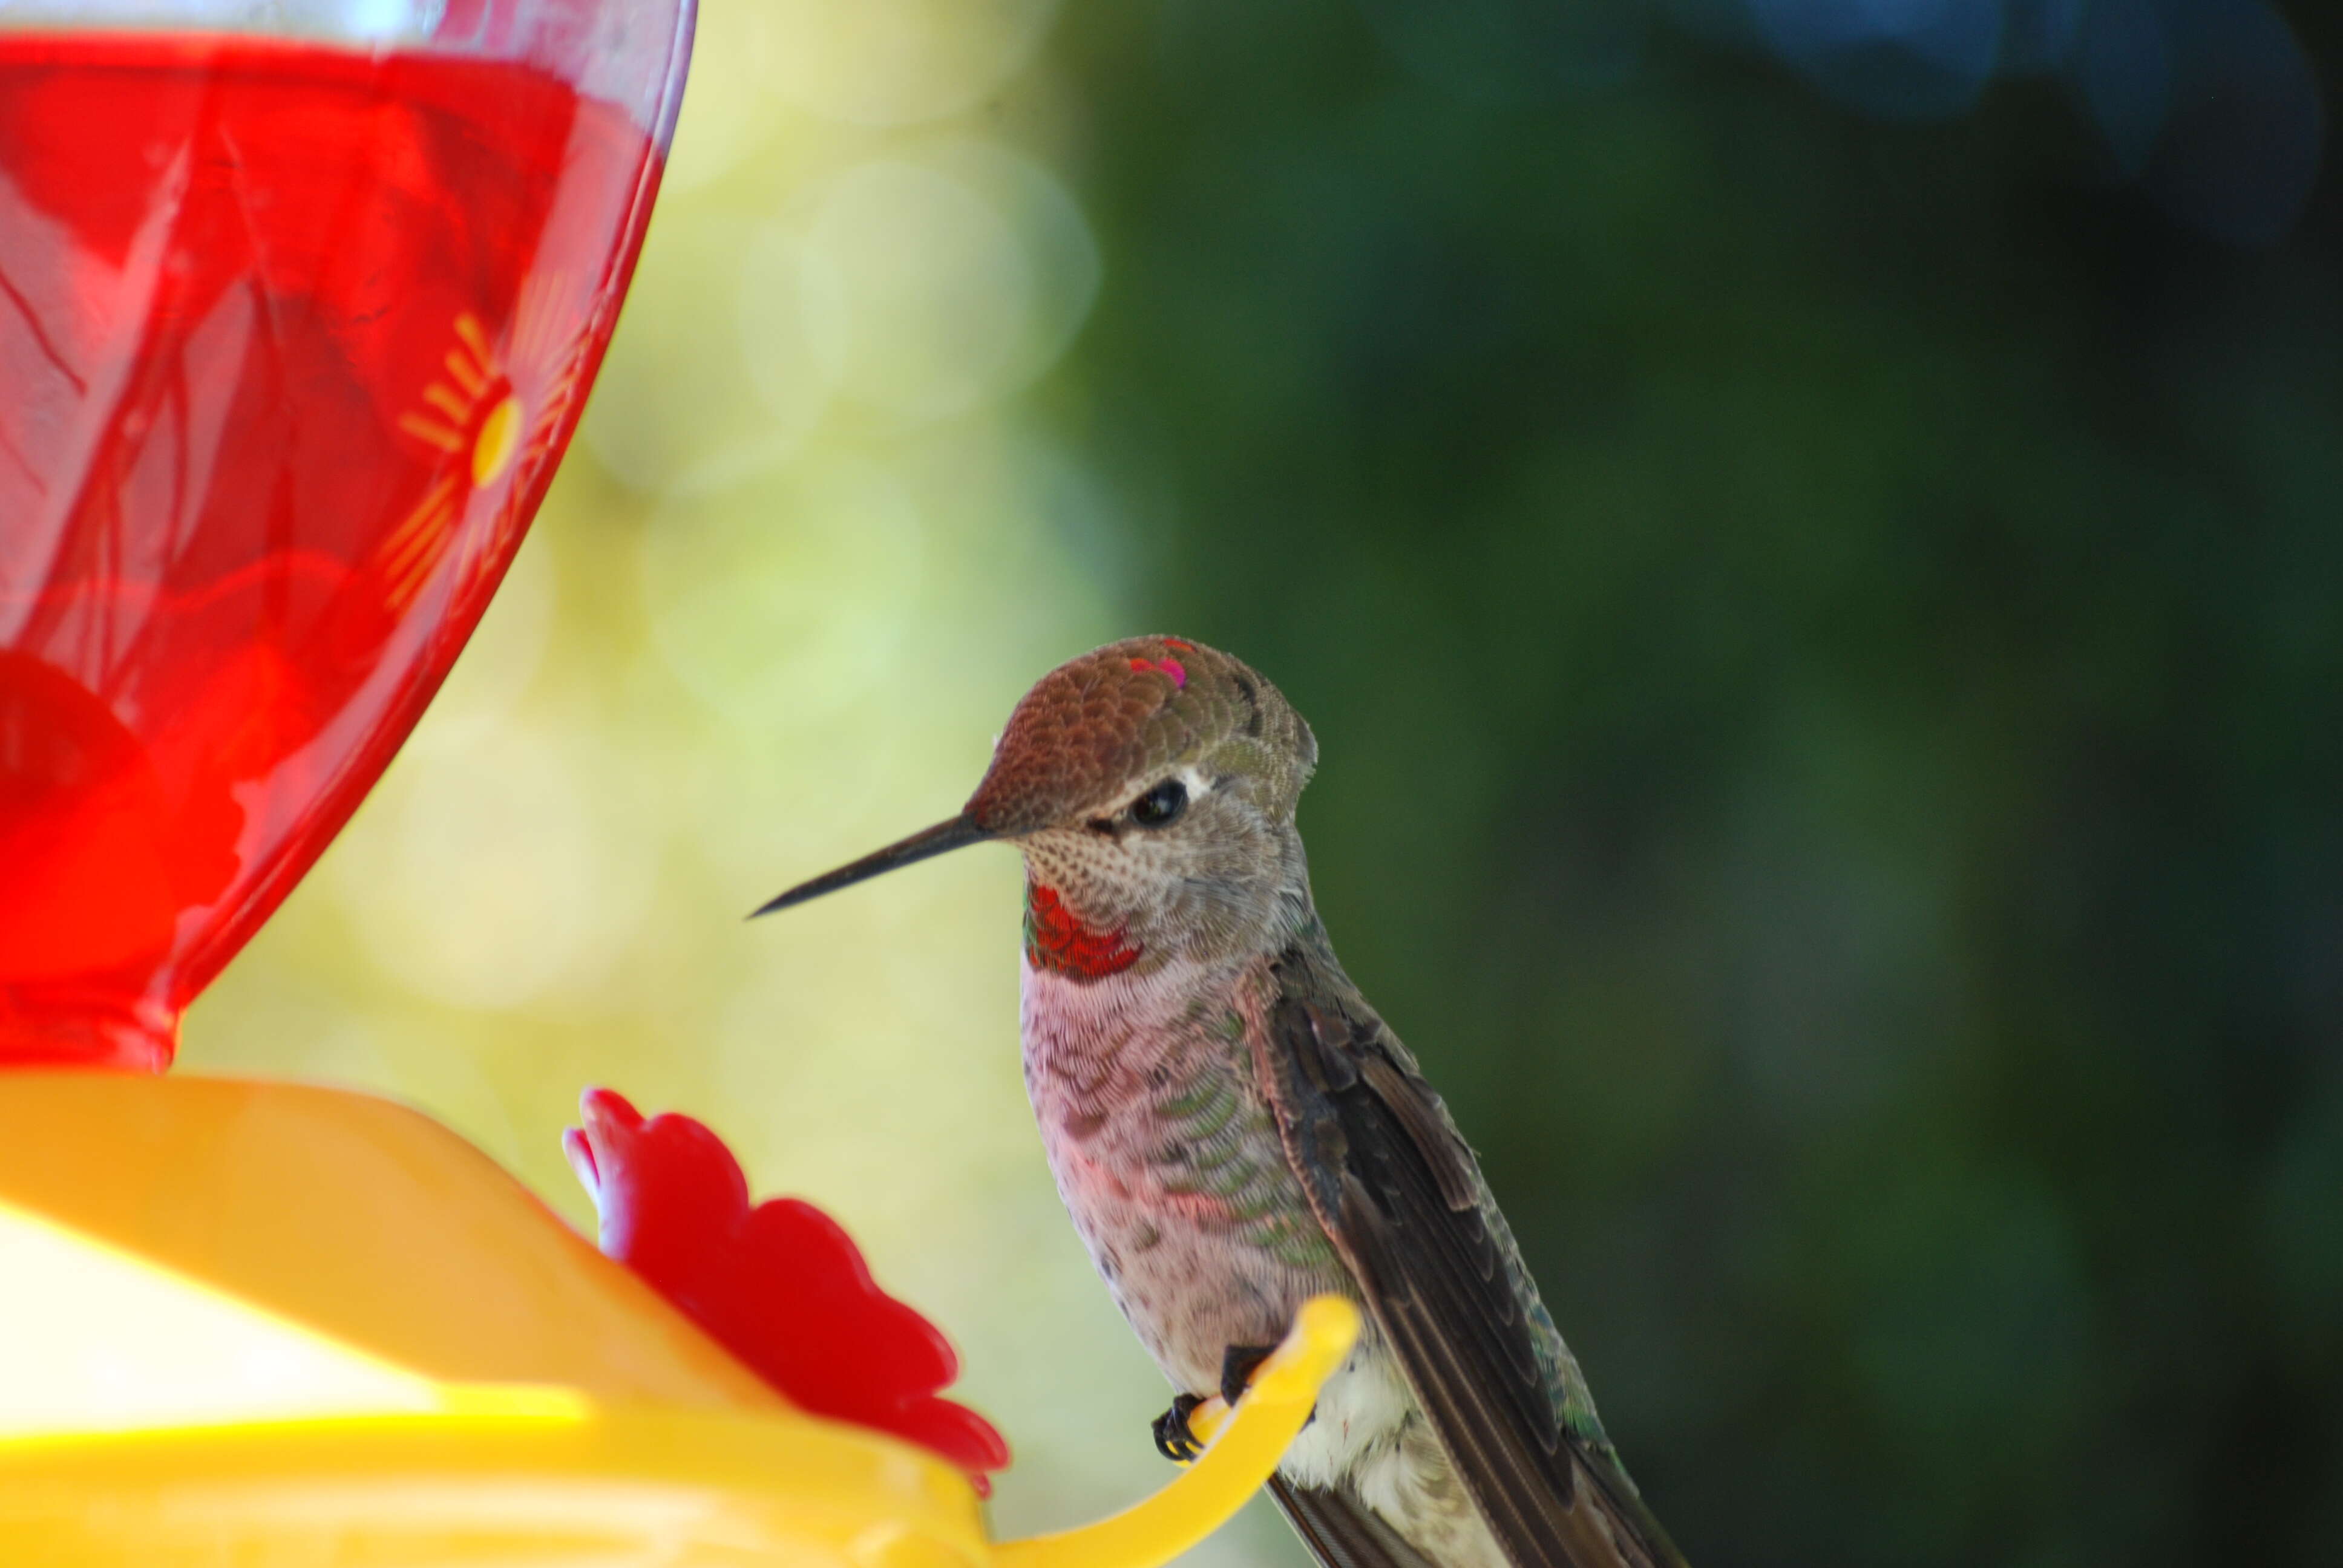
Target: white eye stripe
(1191, 777)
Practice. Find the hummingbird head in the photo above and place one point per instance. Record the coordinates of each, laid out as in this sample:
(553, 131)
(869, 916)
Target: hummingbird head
(1151, 785)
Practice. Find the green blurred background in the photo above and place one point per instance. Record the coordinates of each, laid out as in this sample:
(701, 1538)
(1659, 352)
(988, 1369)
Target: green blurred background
(1817, 572)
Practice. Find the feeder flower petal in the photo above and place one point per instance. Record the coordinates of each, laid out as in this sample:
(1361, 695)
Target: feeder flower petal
(780, 1285)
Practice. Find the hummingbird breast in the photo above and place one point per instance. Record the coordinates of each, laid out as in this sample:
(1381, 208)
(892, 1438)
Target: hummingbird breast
(1167, 1156)
(1166, 1152)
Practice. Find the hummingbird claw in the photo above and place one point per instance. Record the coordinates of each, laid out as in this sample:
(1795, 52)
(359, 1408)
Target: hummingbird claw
(1174, 1441)
(1238, 1364)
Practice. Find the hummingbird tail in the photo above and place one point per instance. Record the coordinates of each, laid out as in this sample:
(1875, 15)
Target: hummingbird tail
(1340, 1531)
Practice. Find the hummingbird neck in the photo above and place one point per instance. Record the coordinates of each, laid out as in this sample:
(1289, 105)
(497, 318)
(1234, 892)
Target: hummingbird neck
(1089, 916)
(1057, 941)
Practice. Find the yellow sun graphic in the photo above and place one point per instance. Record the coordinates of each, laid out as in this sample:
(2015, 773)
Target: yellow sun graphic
(495, 417)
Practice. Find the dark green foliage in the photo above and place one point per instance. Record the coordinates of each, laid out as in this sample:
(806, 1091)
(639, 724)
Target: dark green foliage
(1827, 641)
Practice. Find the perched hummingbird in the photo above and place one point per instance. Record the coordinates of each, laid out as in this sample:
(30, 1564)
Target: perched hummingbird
(1234, 1130)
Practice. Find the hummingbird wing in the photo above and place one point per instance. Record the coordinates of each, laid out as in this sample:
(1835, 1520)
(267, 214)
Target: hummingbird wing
(1340, 1531)
(1402, 1198)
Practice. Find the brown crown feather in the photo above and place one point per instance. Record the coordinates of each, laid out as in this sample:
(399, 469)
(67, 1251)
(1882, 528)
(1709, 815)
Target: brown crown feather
(1092, 724)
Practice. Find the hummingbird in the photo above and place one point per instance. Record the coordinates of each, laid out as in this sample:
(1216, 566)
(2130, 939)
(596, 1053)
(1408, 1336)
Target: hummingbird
(1233, 1129)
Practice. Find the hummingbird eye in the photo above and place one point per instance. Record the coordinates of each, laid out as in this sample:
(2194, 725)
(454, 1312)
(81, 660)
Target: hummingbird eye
(1161, 806)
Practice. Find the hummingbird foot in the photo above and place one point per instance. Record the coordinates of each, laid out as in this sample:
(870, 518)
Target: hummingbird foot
(1174, 1440)
(1238, 1364)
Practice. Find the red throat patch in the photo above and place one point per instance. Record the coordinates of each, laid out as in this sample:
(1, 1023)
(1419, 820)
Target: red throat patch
(1055, 939)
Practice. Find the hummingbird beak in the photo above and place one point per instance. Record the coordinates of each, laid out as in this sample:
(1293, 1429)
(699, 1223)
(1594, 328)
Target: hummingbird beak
(928, 841)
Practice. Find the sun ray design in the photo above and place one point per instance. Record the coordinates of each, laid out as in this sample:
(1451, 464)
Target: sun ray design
(415, 545)
(493, 422)
(459, 371)
(431, 432)
(542, 334)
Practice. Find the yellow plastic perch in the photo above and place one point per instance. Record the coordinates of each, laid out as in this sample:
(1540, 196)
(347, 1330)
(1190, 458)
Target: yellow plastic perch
(253, 1322)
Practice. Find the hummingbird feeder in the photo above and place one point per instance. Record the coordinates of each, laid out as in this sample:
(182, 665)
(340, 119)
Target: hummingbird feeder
(294, 330)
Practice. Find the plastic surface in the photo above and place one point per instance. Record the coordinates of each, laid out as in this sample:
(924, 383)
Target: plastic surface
(350, 1217)
(293, 336)
(464, 1380)
(616, 1489)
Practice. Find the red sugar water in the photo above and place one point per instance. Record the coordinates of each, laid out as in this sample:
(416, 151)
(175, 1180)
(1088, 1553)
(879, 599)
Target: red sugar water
(291, 339)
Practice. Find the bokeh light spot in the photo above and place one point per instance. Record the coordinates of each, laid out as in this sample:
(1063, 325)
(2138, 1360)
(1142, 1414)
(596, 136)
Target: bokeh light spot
(958, 276)
(791, 329)
(694, 397)
(2038, 35)
(936, 291)
(2241, 144)
(900, 62)
(731, 111)
(493, 874)
(2124, 70)
(1898, 59)
(782, 606)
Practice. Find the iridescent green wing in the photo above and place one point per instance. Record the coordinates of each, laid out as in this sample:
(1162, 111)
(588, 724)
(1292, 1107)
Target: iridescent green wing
(1402, 1198)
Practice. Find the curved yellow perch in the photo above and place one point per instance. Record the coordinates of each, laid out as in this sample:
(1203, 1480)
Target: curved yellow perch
(1244, 1449)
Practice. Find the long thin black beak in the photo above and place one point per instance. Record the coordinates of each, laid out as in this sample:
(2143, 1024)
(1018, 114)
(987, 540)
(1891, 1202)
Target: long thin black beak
(928, 841)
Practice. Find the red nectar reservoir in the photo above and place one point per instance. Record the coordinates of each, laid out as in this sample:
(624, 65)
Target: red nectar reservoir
(292, 335)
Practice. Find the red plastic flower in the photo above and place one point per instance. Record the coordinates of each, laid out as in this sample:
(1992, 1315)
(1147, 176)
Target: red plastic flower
(782, 1285)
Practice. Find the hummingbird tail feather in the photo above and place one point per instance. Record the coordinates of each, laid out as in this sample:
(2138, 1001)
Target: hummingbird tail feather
(1340, 1531)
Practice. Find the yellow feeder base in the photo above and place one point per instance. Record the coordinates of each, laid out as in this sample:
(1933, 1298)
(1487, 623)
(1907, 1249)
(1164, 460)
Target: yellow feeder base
(263, 1323)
